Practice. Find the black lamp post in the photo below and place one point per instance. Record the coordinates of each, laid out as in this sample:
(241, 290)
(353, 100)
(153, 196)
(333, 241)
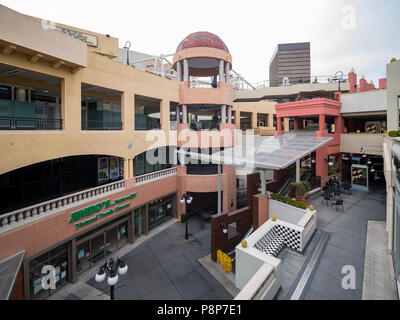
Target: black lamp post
(188, 199)
(127, 47)
(338, 77)
(111, 269)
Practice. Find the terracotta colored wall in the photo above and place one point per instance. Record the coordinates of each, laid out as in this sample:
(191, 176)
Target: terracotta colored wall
(41, 234)
(221, 241)
(260, 210)
(18, 291)
(223, 95)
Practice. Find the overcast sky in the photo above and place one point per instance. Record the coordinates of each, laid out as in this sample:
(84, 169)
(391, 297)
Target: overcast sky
(363, 34)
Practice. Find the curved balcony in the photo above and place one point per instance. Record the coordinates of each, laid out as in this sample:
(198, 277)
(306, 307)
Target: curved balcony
(222, 138)
(222, 95)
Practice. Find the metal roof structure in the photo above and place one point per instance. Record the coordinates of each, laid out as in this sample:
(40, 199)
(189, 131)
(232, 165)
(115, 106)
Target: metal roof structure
(265, 152)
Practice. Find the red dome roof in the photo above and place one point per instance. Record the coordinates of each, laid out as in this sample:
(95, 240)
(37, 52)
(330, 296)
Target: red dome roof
(202, 39)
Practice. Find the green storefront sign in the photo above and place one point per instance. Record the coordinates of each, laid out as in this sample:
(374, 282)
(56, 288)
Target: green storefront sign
(98, 209)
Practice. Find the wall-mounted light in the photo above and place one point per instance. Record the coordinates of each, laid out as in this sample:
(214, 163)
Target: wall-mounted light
(224, 228)
(330, 163)
(372, 169)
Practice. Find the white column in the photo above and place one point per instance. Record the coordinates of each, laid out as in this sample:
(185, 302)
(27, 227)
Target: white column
(221, 71)
(263, 182)
(219, 190)
(185, 70)
(179, 71)
(227, 70)
(223, 113)
(298, 171)
(177, 114)
(229, 114)
(184, 114)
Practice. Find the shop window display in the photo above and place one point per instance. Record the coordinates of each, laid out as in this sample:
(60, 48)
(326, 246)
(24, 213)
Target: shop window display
(58, 258)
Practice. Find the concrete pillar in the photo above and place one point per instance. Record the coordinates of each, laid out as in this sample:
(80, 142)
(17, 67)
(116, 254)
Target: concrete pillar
(296, 124)
(71, 96)
(179, 71)
(186, 70)
(219, 190)
(263, 182)
(229, 115)
(221, 71)
(184, 114)
(321, 122)
(297, 170)
(227, 71)
(223, 113)
(279, 124)
(339, 125)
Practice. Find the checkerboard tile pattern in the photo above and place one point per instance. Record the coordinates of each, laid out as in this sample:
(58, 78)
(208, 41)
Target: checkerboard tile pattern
(278, 237)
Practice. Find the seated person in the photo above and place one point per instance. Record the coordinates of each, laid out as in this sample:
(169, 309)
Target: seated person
(214, 84)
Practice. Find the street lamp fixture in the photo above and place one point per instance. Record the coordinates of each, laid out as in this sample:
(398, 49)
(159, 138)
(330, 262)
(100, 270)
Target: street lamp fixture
(338, 77)
(111, 269)
(127, 47)
(188, 199)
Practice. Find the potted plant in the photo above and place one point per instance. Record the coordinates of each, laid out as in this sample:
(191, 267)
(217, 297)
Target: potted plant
(302, 188)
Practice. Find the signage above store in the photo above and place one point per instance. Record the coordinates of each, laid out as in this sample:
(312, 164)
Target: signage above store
(88, 38)
(98, 209)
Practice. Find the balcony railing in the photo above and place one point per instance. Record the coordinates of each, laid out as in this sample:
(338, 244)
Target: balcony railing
(26, 215)
(101, 125)
(150, 177)
(19, 123)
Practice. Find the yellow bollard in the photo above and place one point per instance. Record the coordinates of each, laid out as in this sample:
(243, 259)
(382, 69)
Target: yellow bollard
(219, 253)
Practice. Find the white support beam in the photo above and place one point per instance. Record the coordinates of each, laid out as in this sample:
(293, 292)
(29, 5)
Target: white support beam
(263, 177)
(297, 170)
(219, 191)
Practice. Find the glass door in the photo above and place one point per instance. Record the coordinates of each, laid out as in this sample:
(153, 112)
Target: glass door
(97, 249)
(123, 234)
(111, 241)
(82, 259)
(138, 221)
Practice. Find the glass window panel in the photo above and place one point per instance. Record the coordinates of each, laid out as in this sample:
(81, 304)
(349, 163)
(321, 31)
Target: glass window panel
(139, 165)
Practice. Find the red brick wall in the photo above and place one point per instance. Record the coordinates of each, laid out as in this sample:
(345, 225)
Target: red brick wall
(39, 235)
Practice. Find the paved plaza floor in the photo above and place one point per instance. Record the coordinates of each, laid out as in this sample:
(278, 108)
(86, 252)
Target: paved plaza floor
(346, 245)
(166, 267)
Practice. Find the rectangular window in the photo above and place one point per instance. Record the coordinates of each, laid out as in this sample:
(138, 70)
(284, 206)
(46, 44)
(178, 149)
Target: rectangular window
(147, 113)
(262, 120)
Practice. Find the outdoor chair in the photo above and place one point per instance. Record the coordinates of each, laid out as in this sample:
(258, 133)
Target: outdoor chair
(338, 203)
(327, 198)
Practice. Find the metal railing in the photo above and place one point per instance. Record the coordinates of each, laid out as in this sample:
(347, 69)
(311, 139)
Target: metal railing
(18, 217)
(147, 178)
(101, 125)
(20, 123)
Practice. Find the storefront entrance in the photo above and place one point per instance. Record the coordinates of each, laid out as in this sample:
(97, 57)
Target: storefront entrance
(100, 244)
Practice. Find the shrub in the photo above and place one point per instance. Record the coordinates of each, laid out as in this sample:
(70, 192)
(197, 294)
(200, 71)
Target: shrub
(334, 169)
(289, 201)
(394, 134)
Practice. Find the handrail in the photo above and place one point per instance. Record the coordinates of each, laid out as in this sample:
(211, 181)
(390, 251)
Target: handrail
(23, 123)
(146, 178)
(46, 208)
